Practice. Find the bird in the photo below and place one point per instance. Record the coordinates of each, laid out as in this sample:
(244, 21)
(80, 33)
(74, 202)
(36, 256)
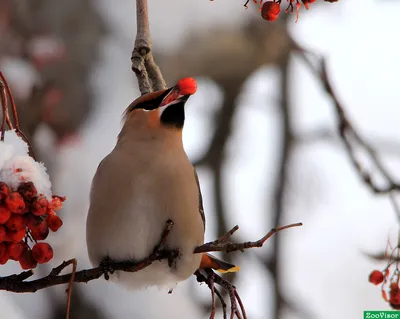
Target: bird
(144, 181)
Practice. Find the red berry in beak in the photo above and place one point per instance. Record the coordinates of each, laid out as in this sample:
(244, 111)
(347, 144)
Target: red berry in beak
(187, 86)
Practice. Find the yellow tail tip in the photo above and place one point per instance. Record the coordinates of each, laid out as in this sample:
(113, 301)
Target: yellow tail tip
(233, 269)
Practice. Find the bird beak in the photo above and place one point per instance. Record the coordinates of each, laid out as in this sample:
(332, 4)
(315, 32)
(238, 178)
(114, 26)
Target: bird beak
(173, 97)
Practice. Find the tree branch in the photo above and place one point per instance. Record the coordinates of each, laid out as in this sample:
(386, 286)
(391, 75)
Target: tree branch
(347, 131)
(17, 282)
(222, 244)
(211, 278)
(274, 262)
(143, 65)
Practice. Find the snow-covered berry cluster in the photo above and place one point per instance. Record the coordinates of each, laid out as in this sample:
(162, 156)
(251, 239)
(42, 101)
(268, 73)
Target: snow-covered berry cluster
(27, 206)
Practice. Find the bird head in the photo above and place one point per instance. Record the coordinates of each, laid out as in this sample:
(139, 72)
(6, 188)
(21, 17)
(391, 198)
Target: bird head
(161, 109)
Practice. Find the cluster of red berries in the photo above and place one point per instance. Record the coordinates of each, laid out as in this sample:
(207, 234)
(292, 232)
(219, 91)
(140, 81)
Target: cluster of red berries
(270, 9)
(26, 216)
(390, 285)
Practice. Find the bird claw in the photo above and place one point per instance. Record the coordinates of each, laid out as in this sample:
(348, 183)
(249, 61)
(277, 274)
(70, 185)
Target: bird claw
(106, 267)
(172, 257)
(211, 278)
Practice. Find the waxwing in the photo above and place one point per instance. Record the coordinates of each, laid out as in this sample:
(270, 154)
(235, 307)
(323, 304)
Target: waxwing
(146, 180)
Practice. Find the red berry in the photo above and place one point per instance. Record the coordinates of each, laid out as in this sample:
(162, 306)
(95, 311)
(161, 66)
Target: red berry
(56, 203)
(395, 306)
(50, 213)
(187, 86)
(27, 190)
(3, 248)
(376, 277)
(15, 250)
(16, 222)
(3, 233)
(26, 260)
(16, 235)
(40, 232)
(42, 252)
(3, 254)
(384, 295)
(4, 190)
(54, 222)
(306, 2)
(270, 10)
(39, 206)
(5, 214)
(15, 203)
(33, 221)
(394, 295)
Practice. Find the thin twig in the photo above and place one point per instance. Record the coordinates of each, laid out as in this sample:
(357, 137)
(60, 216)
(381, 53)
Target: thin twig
(211, 278)
(211, 285)
(4, 105)
(223, 304)
(12, 101)
(229, 247)
(6, 116)
(69, 290)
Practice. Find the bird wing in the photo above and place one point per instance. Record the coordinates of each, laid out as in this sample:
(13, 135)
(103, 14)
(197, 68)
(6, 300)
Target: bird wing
(209, 261)
(201, 208)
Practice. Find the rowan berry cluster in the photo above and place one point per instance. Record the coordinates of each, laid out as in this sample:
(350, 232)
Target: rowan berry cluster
(270, 10)
(26, 217)
(390, 285)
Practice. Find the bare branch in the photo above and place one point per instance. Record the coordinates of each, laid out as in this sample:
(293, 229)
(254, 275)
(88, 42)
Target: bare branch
(347, 131)
(229, 247)
(211, 278)
(4, 88)
(143, 63)
(74, 264)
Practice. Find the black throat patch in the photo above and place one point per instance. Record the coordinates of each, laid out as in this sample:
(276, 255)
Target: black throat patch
(174, 115)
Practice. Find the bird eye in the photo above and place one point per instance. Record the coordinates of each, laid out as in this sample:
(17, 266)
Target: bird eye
(147, 106)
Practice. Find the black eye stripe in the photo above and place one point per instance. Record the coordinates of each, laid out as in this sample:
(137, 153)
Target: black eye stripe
(147, 106)
(152, 104)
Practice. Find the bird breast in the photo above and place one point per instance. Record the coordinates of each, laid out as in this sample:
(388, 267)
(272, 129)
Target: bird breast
(133, 197)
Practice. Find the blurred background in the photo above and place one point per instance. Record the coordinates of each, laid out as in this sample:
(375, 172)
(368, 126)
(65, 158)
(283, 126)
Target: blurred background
(261, 131)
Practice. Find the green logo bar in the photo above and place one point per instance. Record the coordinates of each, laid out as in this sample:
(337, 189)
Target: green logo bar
(377, 314)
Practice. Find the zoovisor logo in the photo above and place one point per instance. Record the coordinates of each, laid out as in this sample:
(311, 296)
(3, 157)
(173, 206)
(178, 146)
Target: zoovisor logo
(381, 314)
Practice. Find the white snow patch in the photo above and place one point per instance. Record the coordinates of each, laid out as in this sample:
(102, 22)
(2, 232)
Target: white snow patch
(16, 166)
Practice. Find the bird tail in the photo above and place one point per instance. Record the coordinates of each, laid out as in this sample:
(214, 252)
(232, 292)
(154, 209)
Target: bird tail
(209, 261)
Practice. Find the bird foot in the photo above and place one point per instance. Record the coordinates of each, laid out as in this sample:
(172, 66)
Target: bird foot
(173, 256)
(106, 267)
(211, 278)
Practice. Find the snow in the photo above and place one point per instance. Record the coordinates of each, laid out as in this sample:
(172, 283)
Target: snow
(17, 166)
